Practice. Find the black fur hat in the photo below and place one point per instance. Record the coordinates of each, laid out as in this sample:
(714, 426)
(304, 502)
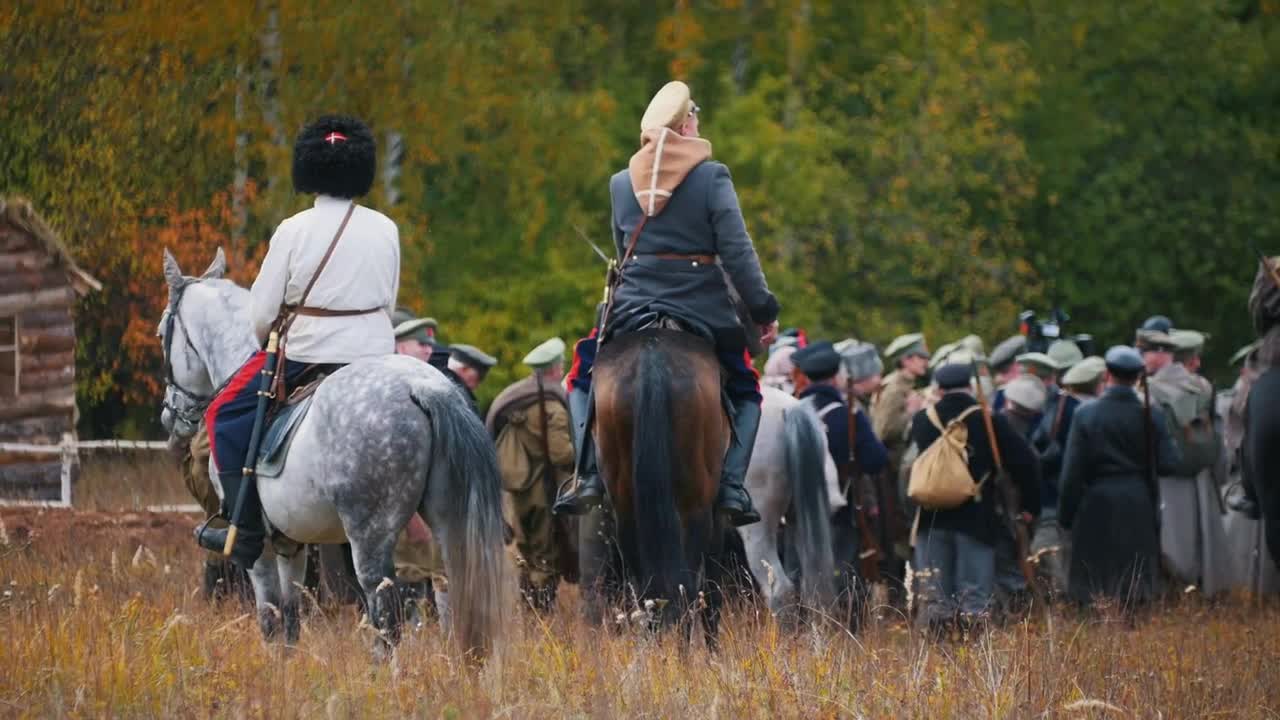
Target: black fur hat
(335, 155)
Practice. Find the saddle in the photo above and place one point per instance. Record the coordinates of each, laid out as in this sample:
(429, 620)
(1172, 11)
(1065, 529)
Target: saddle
(283, 421)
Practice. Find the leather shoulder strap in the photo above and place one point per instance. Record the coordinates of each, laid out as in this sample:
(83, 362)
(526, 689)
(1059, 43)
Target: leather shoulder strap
(635, 236)
(328, 253)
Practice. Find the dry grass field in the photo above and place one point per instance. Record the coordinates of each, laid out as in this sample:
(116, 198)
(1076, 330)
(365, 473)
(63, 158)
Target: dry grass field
(101, 616)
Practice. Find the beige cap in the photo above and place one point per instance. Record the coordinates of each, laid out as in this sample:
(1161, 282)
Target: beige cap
(668, 108)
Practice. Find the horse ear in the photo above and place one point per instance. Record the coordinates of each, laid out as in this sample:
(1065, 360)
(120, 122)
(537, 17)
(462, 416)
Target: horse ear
(218, 268)
(172, 273)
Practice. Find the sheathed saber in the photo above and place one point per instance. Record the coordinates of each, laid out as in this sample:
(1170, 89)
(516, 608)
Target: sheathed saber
(255, 439)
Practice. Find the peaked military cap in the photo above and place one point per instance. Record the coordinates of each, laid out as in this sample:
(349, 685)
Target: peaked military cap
(1245, 352)
(1037, 358)
(408, 327)
(1187, 340)
(1065, 354)
(860, 360)
(1027, 391)
(669, 107)
(1007, 351)
(905, 346)
(818, 360)
(1085, 372)
(474, 357)
(1154, 340)
(953, 375)
(974, 344)
(1158, 323)
(1124, 359)
(939, 356)
(545, 355)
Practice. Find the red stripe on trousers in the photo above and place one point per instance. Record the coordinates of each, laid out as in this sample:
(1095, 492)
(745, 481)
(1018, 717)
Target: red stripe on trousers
(576, 368)
(239, 381)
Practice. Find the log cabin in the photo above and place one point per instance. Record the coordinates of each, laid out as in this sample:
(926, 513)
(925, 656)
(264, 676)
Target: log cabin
(39, 286)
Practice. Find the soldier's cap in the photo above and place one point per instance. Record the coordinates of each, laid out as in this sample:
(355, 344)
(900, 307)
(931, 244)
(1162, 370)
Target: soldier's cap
(1007, 351)
(784, 341)
(818, 360)
(974, 344)
(860, 360)
(1187, 341)
(473, 357)
(1027, 392)
(1124, 359)
(408, 327)
(1065, 354)
(1038, 359)
(906, 346)
(953, 375)
(1245, 352)
(545, 355)
(1159, 323)
(940, 355)
(1085, 372)
(1154, 341)
(669, 107)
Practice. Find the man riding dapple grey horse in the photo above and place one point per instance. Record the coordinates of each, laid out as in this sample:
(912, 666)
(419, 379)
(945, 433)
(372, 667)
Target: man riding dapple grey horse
(679, 229)
(335, 267)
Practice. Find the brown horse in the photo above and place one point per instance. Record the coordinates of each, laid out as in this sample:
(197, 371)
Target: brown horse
(661, 433)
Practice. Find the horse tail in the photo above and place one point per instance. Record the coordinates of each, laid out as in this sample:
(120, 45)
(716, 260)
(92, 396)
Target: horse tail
(805, 462)
(655, 471)
(472, 537)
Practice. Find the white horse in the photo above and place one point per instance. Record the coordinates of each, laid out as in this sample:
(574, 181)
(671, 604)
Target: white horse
(384, 438)
(792, 468)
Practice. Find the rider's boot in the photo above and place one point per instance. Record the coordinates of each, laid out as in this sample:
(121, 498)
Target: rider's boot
(586, 491)
(733, 501)
(251, 533)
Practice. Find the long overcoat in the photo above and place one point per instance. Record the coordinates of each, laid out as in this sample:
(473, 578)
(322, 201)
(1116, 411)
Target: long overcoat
(1108, 503)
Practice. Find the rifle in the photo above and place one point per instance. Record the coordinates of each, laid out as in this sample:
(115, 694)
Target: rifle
(255, 439)
(1012, 504)
(869, 558)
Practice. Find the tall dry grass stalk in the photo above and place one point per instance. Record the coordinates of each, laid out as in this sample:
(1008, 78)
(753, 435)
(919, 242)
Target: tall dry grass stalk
(81, 636)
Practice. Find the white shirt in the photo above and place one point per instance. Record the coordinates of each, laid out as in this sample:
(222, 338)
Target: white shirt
(363, 273)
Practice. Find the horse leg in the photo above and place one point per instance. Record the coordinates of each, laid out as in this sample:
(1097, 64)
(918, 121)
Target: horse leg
(375, 568)
(292, 572)
(266, 593)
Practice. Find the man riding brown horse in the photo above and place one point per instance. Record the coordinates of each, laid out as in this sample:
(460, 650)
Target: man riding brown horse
(680, 233)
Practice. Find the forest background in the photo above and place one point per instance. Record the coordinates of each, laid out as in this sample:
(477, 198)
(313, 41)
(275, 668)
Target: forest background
(934, 165)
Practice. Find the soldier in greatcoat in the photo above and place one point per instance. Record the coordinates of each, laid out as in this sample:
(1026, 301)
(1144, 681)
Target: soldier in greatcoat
(1114, 453)
(529, 422)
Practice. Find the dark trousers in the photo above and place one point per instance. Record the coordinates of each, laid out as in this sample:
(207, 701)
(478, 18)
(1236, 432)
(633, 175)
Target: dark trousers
(230, 416)
(743, 382)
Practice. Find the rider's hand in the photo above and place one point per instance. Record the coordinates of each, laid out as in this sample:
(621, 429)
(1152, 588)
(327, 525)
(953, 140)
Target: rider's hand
(768, 333)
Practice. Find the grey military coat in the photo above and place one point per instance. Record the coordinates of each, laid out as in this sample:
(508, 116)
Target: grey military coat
(702, 217)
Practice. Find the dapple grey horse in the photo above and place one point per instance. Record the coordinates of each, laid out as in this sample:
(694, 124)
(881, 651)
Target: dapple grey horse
(384, 438)
(791, 468)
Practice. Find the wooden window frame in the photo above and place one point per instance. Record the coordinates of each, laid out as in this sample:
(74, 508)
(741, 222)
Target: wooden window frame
(16, 349)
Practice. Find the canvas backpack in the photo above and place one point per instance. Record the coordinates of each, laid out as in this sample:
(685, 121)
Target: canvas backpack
(940, 477)
(1189, 414)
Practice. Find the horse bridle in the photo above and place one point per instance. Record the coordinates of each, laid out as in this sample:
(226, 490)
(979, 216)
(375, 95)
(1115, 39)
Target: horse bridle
(186, 407)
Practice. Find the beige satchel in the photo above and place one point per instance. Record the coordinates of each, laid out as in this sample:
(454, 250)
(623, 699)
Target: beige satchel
(940, 477)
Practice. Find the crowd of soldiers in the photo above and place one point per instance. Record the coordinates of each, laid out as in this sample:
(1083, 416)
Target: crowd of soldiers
(1121, 503)
(1123, 468)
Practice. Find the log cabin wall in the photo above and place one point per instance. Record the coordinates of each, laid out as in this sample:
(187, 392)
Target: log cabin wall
(37, 350)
